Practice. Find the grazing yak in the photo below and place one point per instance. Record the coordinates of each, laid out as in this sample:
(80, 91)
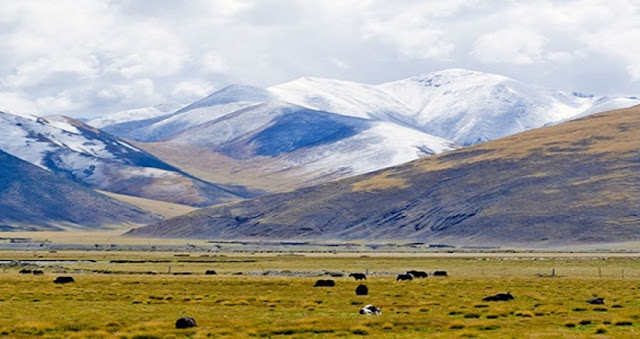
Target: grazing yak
(404, 277)
(210, 272)
(63, 280)
(325, 283)
(38, 272)
(186, 322)
(358, 276)
(418, 274)
(596, 301)
(362, 290)
(440, 273)
(25, 271)
(499, 297)
(370, 309)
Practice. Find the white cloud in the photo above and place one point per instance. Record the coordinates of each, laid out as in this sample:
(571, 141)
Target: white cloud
(561, 56)
(212, 62)
(226, 9)
(417, 31)
(99, 56)
(15, 102)
(510, 46)
(622, 42)
(141, 90)
(35, 72)
(58, 103)
(412, 38)
(194, 89)
(340, 64)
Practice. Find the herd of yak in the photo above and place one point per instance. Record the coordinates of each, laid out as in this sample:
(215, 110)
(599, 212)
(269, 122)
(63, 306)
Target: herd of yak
(364, 290)
(187, 322)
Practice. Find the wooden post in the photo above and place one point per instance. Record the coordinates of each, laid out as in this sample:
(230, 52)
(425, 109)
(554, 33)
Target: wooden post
(553, 272)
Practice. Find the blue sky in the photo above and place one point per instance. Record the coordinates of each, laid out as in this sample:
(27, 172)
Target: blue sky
(87, 58)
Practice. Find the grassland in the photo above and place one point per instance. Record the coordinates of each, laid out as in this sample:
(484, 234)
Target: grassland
(267, 295)
(163, 208)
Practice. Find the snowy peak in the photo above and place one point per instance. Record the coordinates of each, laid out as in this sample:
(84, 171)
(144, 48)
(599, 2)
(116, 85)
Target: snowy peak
(95, 158)
(231, 94)
(457, 76)
(458, 85)
(134, 115)
(299, 124)
(342, 97)
(470, 107)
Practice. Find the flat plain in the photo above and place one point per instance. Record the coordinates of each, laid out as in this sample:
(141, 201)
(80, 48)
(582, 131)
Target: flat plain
(120, 294)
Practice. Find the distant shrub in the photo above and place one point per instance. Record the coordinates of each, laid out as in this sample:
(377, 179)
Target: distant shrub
(456, 326)
(360, 331)
(601, 329)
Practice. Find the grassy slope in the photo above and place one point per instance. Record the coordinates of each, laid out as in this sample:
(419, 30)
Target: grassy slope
(261, 174)
(571, 183)
(163, 208)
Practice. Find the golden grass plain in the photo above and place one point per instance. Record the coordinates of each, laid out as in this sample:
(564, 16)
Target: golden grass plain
(257, 303)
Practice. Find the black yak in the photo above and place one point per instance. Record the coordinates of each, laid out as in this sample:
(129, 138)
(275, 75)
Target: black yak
(499, 297)
(324, 283)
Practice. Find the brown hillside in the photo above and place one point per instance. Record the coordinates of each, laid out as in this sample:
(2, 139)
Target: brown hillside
(32, 198)
(576, 182)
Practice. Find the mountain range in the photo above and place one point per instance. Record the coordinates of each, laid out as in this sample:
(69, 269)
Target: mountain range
(92, 157)
(311, 130)
(575, 182)
(242, 141)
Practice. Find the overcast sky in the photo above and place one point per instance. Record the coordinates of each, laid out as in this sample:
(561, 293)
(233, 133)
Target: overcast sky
(86, 58)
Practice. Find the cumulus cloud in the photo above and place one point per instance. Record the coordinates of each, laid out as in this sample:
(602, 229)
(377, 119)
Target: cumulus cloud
(117, 54)
(621, 42)
(510, 46)
(138, 91)
(192, 89)
(213, 62)
(15, 102)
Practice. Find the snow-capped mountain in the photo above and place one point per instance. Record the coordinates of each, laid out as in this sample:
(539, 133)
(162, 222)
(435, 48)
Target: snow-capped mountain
(92, 157)
(471, 107)
(319, 143)
(324, 129)
(134, 114)
(464, 106)
(249, 124)
(343, 97)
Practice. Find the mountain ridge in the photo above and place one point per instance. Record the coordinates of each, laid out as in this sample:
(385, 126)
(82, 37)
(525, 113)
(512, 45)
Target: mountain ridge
(27, 203)
(92, 157)
(575, 182)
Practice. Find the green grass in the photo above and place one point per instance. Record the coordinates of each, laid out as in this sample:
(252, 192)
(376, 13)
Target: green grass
(256, 306)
